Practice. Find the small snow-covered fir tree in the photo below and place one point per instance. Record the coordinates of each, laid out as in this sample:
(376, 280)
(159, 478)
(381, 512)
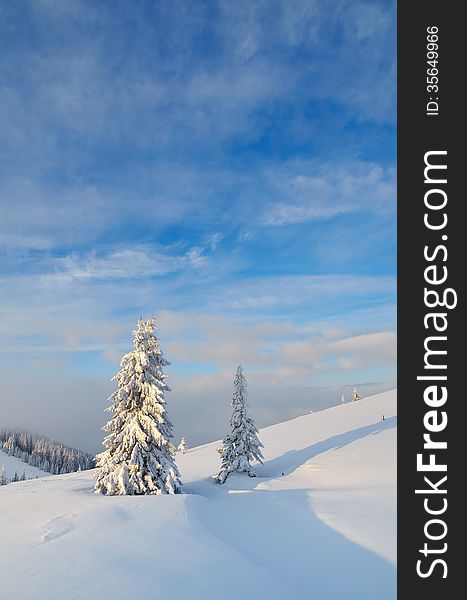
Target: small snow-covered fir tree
(3, 479)
(342, 399)
(356, 395)
(242, 445)
(182, 447)
(139, 455)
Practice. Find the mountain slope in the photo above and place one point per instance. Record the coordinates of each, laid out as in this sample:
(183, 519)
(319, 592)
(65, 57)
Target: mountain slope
(15, 465)
(43, 453)
(318, 521)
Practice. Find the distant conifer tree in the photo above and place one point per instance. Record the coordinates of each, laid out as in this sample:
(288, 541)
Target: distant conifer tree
(356, 395)
(182, 447)
(242, 445)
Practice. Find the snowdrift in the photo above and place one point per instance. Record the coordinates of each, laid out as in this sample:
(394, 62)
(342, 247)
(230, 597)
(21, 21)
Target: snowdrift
(318, 521)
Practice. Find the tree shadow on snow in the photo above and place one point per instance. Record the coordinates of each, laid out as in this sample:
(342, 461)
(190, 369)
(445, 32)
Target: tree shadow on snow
(291, 461)
(278, 531)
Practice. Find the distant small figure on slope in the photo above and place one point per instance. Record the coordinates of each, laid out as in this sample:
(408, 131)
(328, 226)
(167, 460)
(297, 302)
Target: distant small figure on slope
(356, 395)
(242, 445)
(182, 447)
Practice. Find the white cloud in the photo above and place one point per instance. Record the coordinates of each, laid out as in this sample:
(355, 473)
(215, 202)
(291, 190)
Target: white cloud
(267, 293)
(379, 347)
(284, 365)
(313, 191)
(306, 357)
(276, 351)
(75, 88)
(91, 301)
(215, 240)
(43, 215)
(83, 126)
(126, 263)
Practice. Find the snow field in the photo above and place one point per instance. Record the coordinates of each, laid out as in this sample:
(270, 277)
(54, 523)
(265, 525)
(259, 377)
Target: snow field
(325, 529)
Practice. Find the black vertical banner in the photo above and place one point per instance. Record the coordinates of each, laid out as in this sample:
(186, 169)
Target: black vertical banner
(431, 309)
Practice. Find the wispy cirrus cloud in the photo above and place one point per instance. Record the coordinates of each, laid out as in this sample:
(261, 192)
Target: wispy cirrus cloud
(127, 263)
(115, 288)
(213, 78)
(313, 191)
(207, 166)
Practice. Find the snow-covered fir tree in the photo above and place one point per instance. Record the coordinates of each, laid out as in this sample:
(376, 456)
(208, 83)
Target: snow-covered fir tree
(3, 478)
(139, 455)
(182, 447)
(356, 395)
(342, 399)
(242, 445)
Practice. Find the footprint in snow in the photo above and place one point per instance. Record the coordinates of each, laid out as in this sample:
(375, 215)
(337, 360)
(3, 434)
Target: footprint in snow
(57, 527)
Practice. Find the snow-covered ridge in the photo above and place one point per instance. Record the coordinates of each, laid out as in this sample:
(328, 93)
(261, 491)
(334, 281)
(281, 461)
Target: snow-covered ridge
(14, 465)
(43, 453)
(318, 521)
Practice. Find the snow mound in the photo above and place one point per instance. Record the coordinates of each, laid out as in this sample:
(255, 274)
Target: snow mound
(318, 521)
(57, 527)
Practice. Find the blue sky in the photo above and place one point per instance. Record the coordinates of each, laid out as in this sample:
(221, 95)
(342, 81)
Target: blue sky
(226, 166)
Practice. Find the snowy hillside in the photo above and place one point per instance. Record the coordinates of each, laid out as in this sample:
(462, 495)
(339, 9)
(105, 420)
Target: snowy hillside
(15, 465)
(319, 521)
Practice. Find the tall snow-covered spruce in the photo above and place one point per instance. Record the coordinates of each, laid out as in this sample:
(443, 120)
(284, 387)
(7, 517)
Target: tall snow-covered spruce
(139, 455)
(242, 445)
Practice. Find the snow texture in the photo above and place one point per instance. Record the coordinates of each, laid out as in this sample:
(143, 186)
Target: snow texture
(318, 521)
(139, 455)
